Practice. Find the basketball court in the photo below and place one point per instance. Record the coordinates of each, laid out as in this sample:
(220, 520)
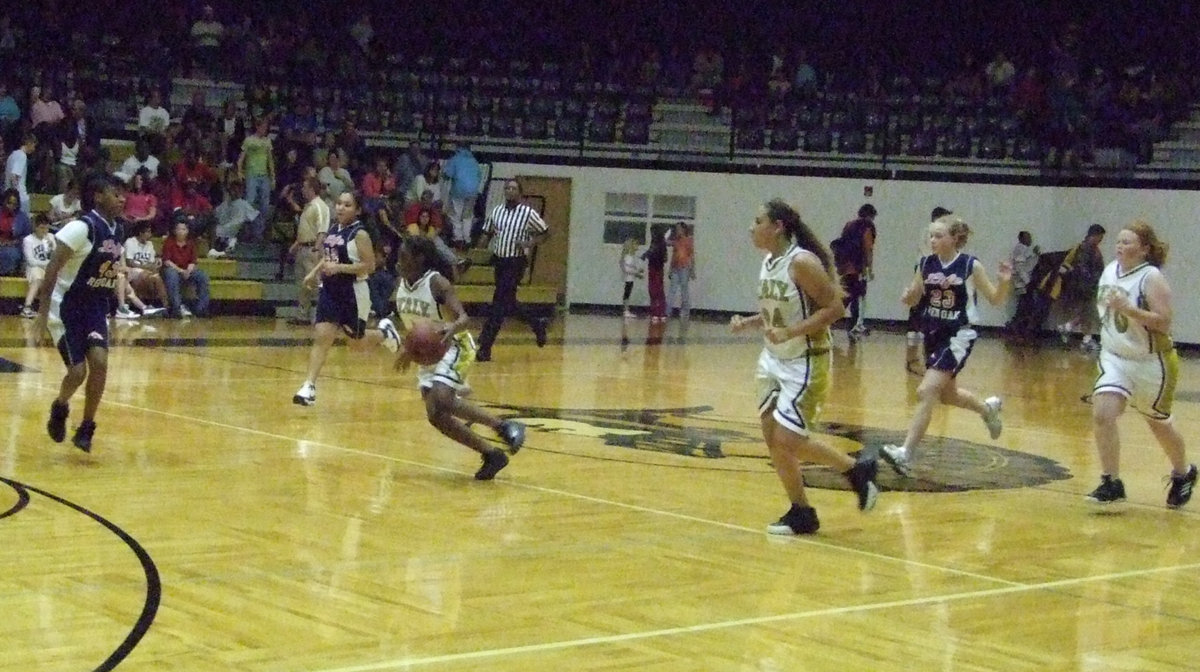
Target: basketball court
(217, 526)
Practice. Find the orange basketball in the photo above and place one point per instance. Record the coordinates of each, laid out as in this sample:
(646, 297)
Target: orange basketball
(424, 343)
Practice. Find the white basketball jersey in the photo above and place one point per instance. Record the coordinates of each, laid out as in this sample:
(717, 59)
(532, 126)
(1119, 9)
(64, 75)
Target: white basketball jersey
(781, 304)
(1119, 334)
(416, 301)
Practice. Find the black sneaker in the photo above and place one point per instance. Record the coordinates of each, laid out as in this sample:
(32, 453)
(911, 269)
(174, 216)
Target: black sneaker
(83, 436)
(539, 332)
(862, 480)
(1110, 491)
(1181, 488)
(798, 520)
(493, 462)
(483, 356)
(513, 435)
(57, 424)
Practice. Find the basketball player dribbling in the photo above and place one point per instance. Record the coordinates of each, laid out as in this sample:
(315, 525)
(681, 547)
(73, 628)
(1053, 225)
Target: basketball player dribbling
(425, 292)
(799, 298)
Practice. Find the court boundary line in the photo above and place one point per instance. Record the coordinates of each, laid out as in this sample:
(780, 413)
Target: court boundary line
(1007, 587)
(404, 663)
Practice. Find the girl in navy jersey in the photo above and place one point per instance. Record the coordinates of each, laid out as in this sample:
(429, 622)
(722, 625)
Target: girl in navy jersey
(425, 292)
(946, 285)
(799, 297)
(1138, 364)
(343, 302)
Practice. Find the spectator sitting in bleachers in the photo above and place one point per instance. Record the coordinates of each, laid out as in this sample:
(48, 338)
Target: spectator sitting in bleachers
(193, 208)
(299, 127)
(197, 114)
(1001, 73)
(14, 226)
(335, 178)
(429, 180)
(179, 269)
(193, 168)
(425, 203)
(424, 226)
(329, 145)
(144, 268)
(43, 108)
(142, 158)
(232, 214)
(66, 206)
(408, 166)
(378, 187)
(38, 247)
(10, 113)
(153, 118)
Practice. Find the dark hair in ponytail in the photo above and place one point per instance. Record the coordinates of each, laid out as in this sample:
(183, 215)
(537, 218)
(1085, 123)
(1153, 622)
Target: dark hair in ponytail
(798, 231)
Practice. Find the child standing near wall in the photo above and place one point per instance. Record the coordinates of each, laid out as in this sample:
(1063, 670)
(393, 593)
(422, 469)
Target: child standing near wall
(630, 270)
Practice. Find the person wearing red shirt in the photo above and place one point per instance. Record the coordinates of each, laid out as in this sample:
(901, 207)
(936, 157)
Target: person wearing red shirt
(194, 208)
(413, 211)
(14, 226)
(179, 268)
(194, 169)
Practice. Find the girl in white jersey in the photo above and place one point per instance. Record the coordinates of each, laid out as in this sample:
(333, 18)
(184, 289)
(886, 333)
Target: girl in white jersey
(425, 292)
(1138, 364)
(945, 287)
(799, 298)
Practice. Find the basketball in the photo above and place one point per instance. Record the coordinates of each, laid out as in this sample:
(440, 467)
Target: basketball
(424, 343)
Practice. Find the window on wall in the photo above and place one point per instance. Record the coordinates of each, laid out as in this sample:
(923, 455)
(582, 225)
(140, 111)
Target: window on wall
(634, 215)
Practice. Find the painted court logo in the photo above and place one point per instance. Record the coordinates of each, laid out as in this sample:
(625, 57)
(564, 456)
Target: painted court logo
(697, 438)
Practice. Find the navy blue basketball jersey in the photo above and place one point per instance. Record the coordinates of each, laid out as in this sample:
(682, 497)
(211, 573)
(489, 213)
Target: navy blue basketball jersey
(96, 275)
(340, 248)
(948, 300)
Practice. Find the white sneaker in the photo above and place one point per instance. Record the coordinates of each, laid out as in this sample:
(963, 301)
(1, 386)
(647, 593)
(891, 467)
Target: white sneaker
(897, 459)
(183, 310)
(306, 395)
(149, 311)
(391, 337)
(214, 253)
(628, 315)
(991, 417)
(911, 337)
(28, 313)
(124, 313)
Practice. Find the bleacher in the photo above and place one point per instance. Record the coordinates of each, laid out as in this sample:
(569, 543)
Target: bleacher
(229, 291)
(475, 288)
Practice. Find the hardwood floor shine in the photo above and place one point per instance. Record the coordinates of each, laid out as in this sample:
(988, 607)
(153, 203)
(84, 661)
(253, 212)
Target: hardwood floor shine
(217, 526)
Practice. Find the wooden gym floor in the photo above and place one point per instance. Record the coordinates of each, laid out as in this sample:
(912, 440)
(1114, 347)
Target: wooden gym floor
(218, 527)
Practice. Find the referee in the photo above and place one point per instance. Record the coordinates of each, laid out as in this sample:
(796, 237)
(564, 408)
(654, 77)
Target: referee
(513, 229)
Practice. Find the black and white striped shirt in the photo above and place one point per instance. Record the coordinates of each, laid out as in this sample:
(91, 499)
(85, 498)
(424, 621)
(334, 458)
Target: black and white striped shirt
(512, 228)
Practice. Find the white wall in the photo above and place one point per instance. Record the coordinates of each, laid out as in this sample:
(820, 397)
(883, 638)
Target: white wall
(725, 206)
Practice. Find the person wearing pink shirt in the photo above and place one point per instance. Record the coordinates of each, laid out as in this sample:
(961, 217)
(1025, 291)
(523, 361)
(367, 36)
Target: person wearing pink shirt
(43, 110)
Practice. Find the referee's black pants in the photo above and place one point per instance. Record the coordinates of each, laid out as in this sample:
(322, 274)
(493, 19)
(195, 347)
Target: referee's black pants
(509, 271)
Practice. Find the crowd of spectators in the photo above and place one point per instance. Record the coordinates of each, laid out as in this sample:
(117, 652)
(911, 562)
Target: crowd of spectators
(310, 83)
